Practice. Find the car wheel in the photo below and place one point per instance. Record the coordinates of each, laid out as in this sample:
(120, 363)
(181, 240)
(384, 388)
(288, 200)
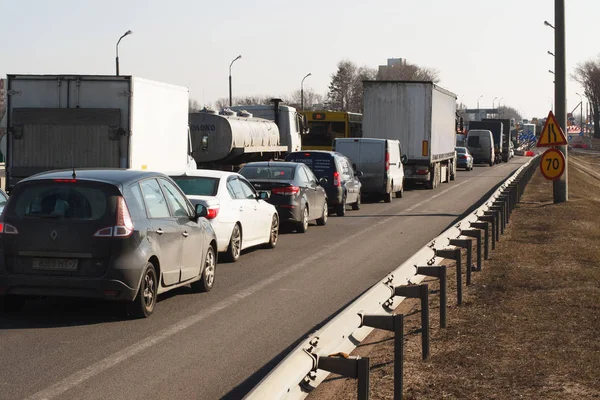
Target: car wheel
(356, 206)
(400, 193)
(323, 220)
(341, 208)
(387, 197)
(303, 225)
(12, 303)
(145, 301)
(235, 244)
(207, 281)
(274, 233)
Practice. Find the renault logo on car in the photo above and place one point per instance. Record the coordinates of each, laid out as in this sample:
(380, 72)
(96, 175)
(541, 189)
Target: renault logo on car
(53, 235)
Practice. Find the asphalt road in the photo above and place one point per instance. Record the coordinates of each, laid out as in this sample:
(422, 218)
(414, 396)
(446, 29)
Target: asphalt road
(219, 344)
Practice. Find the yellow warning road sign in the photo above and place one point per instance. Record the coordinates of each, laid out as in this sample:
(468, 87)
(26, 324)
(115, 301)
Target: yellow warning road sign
(552, 164)
(552, 134)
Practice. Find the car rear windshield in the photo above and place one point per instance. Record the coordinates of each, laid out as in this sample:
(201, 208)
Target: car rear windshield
(197, 185)
(461, 150)
(322, 165)
(285, 173)
(80, 200)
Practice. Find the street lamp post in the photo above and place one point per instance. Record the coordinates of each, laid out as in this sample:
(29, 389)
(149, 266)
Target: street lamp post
(499, 110)
(230, 98)
(117, 48)
(494, 102)
(302, 91)
(478, 102)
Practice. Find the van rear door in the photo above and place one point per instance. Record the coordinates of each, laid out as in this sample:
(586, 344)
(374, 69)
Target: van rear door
(372, 165)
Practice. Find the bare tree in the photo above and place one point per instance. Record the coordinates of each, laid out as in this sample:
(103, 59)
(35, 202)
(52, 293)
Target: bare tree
(193, 106)
(408, 72)
(223, 103)
(310, 98)
(508, 112)
(587, 74)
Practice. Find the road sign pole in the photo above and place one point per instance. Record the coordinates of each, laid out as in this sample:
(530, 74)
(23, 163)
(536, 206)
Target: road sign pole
(560, 186)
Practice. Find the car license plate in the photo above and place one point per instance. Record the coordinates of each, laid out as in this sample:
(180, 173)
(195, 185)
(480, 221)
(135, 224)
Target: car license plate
(54, 264)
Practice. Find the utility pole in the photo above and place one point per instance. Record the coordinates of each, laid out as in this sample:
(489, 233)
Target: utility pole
(560, 186)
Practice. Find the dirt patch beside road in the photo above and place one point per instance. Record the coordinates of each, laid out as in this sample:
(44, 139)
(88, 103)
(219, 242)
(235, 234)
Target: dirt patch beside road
(530, 323)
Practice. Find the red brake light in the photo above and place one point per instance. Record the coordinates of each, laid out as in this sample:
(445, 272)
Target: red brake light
(307, 154)
(65, 180)
(124, 224)
(8, 229)
(463, 157)
(387, 161)
(286, 191)
(212, 212)
(336, 179)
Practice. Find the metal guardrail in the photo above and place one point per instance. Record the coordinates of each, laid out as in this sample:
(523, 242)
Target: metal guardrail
(301, 370)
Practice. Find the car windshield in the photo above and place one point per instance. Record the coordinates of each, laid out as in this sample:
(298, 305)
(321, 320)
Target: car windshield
(197, 185)
(72, 200)
(285, 173)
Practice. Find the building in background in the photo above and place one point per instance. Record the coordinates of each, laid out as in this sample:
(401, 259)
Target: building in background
(391, 63)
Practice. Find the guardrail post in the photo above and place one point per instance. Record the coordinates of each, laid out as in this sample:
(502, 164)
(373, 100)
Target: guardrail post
(391, 323)
(415, 292)
(474, 233)
(492, 220)
(454, 254)
(500, 209)
(465, 244)
(349, 367)
(483, 226)
(503, 200)
(496, 227)
(438, 271)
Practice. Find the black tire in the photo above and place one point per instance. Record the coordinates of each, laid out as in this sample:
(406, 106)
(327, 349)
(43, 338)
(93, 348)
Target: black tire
(323, 220)
(235, 244)
(209, 266)
(356, 205)
(12, 303)
(491, 163)
(452, 172)
(387, 197)
(144, 303)
(303, 224)
(341, 208)
(274, 232)
(400, 193)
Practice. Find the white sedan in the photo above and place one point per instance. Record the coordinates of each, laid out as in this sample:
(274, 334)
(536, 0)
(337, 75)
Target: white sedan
(238, 214)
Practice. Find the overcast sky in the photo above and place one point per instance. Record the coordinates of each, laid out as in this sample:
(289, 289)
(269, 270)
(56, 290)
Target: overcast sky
(481, 47)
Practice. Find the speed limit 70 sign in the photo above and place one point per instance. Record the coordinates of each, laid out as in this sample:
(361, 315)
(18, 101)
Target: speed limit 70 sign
(552, 164)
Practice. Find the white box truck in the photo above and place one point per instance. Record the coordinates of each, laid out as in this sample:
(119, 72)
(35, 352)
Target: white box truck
(420, 115)
(86, 121)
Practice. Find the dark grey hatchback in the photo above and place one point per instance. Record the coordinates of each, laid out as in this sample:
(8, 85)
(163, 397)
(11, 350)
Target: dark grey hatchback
(106, 233)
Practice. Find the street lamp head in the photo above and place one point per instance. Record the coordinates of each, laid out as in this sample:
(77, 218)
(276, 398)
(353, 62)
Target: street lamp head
(552, 72)
(548, 24)
(551, 53)
(129, 32)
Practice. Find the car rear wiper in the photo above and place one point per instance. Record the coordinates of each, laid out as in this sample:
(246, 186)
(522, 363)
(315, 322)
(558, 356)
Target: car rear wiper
(50, 216)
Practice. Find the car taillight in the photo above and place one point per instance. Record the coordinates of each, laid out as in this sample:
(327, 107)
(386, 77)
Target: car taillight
(286, 191)
(8, 229)
(387, 161)
(212, 212)
(336, 179)
(463, 157)
(123, 225)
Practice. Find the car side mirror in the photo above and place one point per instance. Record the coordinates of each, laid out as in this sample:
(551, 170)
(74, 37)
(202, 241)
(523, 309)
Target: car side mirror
(358, 173)
(323, 181)
(404, 159)
(354, 167)
(262, 195)
(201, 211)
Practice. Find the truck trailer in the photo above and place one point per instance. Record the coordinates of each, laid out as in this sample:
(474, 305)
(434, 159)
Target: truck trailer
(94, 121)
(506, 136)
(421, 115)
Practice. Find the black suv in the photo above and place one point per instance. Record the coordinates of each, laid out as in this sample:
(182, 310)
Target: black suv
(342, 185)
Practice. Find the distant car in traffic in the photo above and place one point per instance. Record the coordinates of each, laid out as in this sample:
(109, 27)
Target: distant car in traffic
(464, 159)
(343, 186)
(511, 150)
(238, 214)
(293, 189)
(109, 234)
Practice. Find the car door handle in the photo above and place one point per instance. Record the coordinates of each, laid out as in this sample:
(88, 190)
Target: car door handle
(160, 231)
(185, 234)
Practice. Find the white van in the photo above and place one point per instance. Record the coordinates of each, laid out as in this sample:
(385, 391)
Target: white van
(380, 161)
(480, 143)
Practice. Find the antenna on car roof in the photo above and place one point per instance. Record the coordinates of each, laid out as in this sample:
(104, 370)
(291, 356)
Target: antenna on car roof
(74, 176)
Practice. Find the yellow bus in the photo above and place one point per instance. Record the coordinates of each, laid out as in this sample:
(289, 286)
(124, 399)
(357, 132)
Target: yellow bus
(324, 126)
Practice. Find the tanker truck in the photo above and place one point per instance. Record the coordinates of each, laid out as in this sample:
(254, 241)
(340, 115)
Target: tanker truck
(241, 134)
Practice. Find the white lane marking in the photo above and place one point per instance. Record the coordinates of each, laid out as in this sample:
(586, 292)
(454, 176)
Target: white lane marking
(95, 369)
